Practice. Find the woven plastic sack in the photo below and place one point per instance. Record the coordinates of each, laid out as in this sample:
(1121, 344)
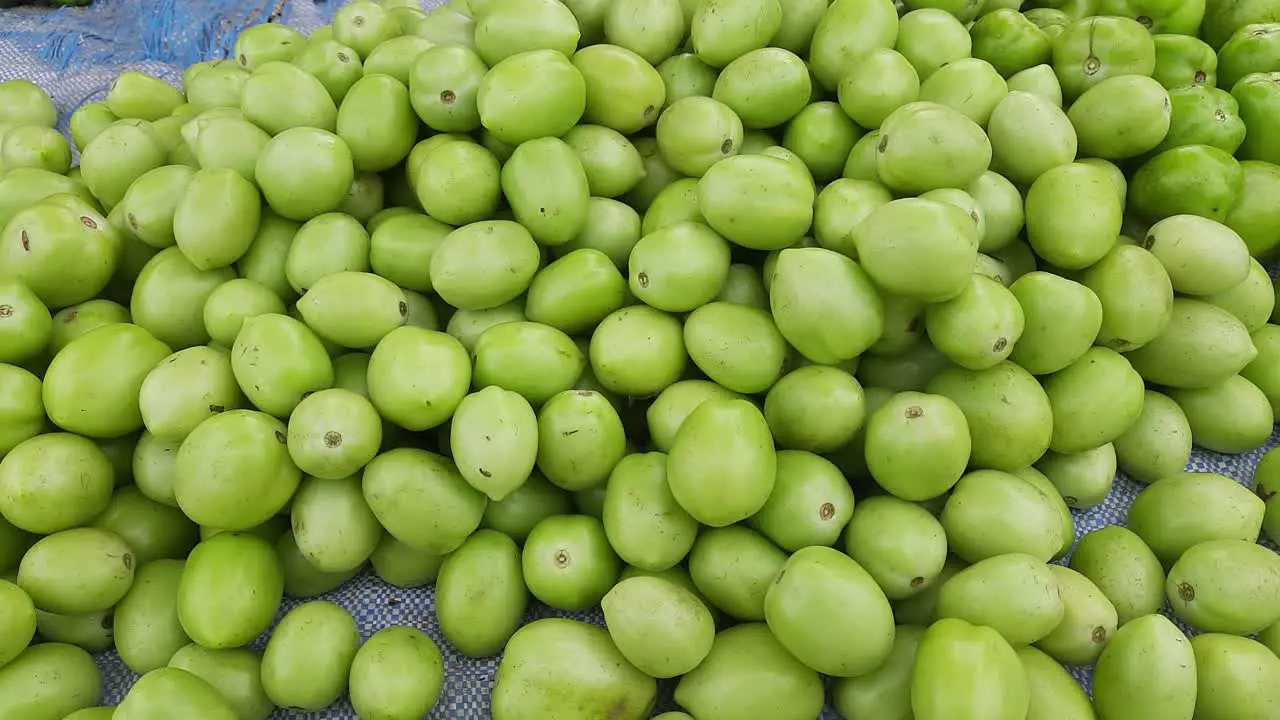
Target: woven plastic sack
(75, 53)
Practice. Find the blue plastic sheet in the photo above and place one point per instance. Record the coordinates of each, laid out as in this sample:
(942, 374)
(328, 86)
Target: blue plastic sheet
(75, 53)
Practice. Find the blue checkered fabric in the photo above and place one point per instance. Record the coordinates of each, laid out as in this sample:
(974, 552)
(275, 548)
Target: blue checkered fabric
(74, 53)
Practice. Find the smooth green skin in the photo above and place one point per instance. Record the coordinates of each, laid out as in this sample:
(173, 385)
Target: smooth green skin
(333, 526)
(805, 279)
(148, 207)
(638, 351)
(970, 86)
(220, 141)
(749, 674)
(402, 566)
(93, 713)
(1121, 117)
(1222, 20)
(737, 346)
(377, 122)
(494, 439)
(658, 174)
(1094, 400)
(396, 675)
(185, 389)
(54, 482)
(481, 595)
(967, 671)
(395, 57)
(234, 673)
(147, 630)
(24, 187)
(978, 328)
(848, 31)
(810, 504)
(1203, 115)
(964, 201)
(821, 136)
(1054, 693)
(1083, 479)
(333, 433)
(900, 544)
(1184, 60)
(1136, 296)
(279, 96)
(230, 590)
(1261, 371)
(991, 513)
(580, 439)
(93, 631)
(267, 257)
(444, 81)
(815, 408)
(673, 405)
(257, 45)
(531, 95)
(1233, 677)
(558, 665)
(1124, 569)
(77, 571)
(612, 228)
(611, 162)
(1094, 49)
(733, 567)
(19, 621)
(1191, 179)
(335, 65)
(623, 91)
(154, 465)
(574, 293)
(234, 471)
(724, 30)
(943, 249)
(422, 500)
(169, 689)
(1158, 443)
(151, 529)
(509, 27)
(215, 84)
(1232, 417)
(885, 692)
(518, 513)
(861, 163)
(907, 162)
(353, 309)
(304, 150)
(1271, 638)
(1062, 319)
(401, 248)
(21, 410)
(27, 328)
(71, 322)
(757, 201)
(301, 578)
(485, 264)
(1148, 670)
(684, 75)
(765, 87)
(696, 132)
(61, 248)
(35, 147)
(1088, 621)
(232, 302)
(876, 85)
(1178, 356)
(1009, 41)
(679, 268)
(567, 562)
(1202, 257)
(308, 658)
(50, 680)
(169, 295)
(350, 372)
(277, 360)
(466, 326)
(396, 383)
(652, 30)
(1014, 594)
(1180, 511)
(1040, 81)
(911, 370)
(120, 154)
(930, 38)
(1258, 95)
(26, 103)
(821, 590)
(917, 445)
(92, 118)
(1252, 300)
(1058, 227)
(659, 626)
(458, 182)
(1009, 416)
(713, 492)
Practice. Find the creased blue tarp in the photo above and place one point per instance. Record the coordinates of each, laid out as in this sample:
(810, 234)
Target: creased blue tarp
(74, 53)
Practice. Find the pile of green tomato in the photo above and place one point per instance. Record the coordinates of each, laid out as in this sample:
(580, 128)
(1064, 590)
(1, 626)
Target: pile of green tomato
(622, 303)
